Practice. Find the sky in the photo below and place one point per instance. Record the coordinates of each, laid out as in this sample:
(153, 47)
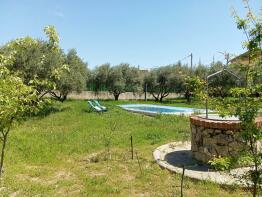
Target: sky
(145, 33)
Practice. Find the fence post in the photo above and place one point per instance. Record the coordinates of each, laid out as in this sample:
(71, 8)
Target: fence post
(132, 148)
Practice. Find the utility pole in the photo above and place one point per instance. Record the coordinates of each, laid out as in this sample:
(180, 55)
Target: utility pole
(191, 62)
(146, 92)
(227, 58)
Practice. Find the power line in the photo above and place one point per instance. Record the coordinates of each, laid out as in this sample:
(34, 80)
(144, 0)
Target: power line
(184, 58)
(191, 60)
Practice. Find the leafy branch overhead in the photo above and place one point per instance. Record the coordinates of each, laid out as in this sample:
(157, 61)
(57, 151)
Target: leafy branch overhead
(44, 65)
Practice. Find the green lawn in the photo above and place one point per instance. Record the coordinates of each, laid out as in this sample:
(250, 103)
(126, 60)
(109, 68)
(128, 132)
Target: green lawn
(72, 152)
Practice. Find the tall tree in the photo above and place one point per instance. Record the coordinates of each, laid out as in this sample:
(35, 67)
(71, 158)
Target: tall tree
(38, 63)
(163, 80)
(116, 79)
(201, 71)
(72, 79)
(99, 78)
(123, 78)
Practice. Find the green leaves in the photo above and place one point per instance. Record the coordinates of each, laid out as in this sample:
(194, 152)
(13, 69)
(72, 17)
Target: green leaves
(70, 77)
(221, 163)
(16, 99)
(246, 101)
(6, 60)
(52, 36)
(118, 79)
(241, 23)
(41, 64)
(194, 86)
(163, 80)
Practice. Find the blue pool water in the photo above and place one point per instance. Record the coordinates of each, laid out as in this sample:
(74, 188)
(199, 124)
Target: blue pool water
(159, 109)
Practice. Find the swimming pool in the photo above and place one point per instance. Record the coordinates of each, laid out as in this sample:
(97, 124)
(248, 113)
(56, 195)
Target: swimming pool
(160, 109)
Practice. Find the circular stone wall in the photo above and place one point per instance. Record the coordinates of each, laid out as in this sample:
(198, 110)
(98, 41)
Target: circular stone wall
(211, 138)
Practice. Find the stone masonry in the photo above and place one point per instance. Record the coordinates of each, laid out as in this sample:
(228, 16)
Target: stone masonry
(211, 138)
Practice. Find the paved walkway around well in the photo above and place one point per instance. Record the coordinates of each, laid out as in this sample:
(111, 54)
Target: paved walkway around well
(173, 156)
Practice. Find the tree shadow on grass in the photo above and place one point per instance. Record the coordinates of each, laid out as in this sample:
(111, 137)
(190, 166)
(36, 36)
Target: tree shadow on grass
(50, 109)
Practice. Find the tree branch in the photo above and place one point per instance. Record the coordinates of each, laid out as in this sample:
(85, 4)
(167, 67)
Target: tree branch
(46, 92)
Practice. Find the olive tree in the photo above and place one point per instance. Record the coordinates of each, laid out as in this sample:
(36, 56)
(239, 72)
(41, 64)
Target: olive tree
(115, 79)
(201, 71)
(163, 80)
(123, 78)
(71, 79)
(37, 62)
(99, 78)
(116, 82)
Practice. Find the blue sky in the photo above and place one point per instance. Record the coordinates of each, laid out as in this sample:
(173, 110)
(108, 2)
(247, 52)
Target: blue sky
(148, 33)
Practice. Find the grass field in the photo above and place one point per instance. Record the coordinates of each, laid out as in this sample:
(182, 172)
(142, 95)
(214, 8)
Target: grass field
(73, 152)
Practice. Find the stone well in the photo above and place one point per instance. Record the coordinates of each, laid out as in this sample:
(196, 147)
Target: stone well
(211, 138)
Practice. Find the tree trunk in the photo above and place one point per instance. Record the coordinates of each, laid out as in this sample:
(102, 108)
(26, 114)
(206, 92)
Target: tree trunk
(189, 99)
(254, 190)
(3, 151)
(4, 140)
(256, 181)
(187, 95)
(163, 95)
(155, 97)
(60, 97)
(161, 99)
(116, 96)
(63, 98)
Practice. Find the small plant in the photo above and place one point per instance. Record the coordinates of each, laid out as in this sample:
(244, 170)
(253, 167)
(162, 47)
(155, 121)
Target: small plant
(221, 163)
(108, 138)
